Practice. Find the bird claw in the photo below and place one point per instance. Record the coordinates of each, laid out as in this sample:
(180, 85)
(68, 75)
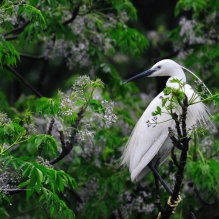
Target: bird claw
(172, 205)
(159, 215)
(175, 204)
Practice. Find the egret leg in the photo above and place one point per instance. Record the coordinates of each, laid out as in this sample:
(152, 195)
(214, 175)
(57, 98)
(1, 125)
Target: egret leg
(157, 202)
(157, 186)
(156, 180)
(160, 179)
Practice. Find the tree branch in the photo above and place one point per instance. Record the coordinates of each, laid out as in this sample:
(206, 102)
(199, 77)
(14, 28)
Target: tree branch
(12, 191)
(184, 140)
(67, 147)
(31, 57)
(74, 15)
(11, 69)
(27, 211)
(174, 158)
(17, 29)
(11, 38)
(200, 198)
(62, 138)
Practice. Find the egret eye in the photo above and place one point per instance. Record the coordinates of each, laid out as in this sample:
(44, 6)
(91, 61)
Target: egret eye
(159, 67)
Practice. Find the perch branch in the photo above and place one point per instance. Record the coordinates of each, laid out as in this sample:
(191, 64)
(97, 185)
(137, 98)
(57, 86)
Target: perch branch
(184, 140)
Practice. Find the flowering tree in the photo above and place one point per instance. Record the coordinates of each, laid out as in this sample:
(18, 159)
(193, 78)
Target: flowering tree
(59, 155)
(61, 130)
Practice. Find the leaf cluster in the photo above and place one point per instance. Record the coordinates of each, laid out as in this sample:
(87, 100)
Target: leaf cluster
(44, 181)
(8, 54)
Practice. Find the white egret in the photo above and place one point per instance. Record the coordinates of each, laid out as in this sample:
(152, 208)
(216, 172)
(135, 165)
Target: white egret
(149, 146)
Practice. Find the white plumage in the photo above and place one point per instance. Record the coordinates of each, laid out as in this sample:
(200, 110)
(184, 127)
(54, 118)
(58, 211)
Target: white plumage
(151, 143)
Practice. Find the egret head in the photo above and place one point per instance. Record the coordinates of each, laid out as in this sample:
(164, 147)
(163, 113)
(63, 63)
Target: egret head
(164, 67)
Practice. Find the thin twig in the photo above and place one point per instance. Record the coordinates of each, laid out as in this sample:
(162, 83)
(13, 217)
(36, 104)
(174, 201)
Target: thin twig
(27, 211)
(174, 158)
(40, 149)
(62, 138)
(31, 57)
(158, 204)
(200, 198)
(16, 29)
(175, 117)
(23, 80)
(13, 191)
(175, 142)
(74, 15)
(11, 38)
(50, 126)
(192, 215)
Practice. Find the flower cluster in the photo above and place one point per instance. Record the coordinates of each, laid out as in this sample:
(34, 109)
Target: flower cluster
(30, 128)
(45, 163)
(85, 133)
(81, 82)
(4, 120)
(86, 28)
(109, 116)
(66, 104)
(91, 152)
(152, 122)
(9, 179)
(193, 32)
(87, 191)
(10, 17)
(188, 33)
(132, 203)
(77, 53)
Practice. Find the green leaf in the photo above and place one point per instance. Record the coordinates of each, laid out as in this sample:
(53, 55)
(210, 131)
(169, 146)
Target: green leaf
(23, 184)
(40, 176)
(42, 197)
(96, 106)
(47, 106)
(33, 177)
(74, 116)
(29, 191)
(164, 101)
(167, 90)
(48, 141)
(157, 111)
(27, 170)
(6, 198)
(60, 183)
(176, 80)
(107, 151)
(8, 54)
(32, 14)
(52, 210)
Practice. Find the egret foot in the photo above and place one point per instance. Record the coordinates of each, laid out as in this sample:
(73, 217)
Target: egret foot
(172, 205)
(175, 204)
(159, 215)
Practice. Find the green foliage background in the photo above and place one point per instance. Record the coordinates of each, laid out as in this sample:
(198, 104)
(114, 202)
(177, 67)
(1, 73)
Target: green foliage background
(49, 44)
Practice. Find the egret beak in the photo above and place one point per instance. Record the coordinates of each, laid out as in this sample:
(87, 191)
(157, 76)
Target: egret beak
(143, 74)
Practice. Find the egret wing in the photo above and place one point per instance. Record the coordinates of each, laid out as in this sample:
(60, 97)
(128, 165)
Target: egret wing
(147, 138)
